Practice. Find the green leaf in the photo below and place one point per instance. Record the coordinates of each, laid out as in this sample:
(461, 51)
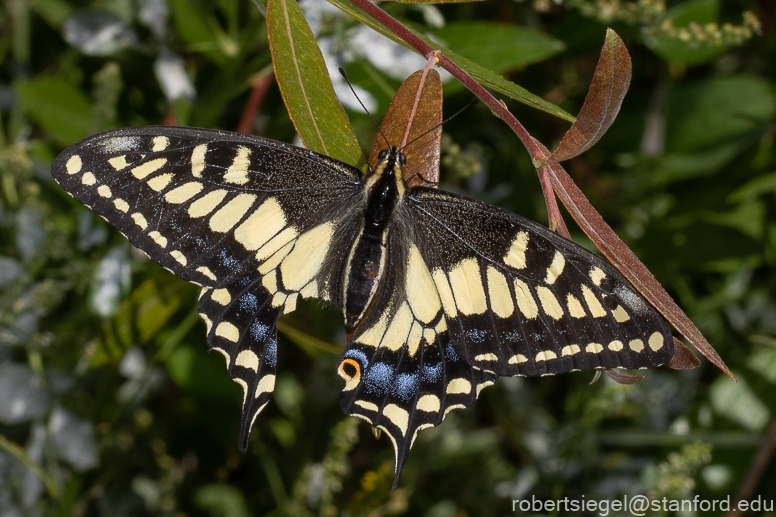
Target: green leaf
(481, 74)
(196, 29)
(57, 106)
(764, 363)
(712, 112)
(304, 81)
(499, 47)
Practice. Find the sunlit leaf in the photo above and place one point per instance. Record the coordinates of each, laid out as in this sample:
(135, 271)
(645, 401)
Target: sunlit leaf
(304, 81)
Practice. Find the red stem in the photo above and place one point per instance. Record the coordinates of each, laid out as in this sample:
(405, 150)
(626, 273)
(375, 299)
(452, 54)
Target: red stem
(261, 85)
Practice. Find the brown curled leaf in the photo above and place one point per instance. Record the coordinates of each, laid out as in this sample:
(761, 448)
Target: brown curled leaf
(607, 90)
(415, 109)
(623, 378)
(683, 358)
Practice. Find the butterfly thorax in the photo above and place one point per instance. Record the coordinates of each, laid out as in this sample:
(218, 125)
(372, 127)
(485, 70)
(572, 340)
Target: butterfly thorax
(366, 265)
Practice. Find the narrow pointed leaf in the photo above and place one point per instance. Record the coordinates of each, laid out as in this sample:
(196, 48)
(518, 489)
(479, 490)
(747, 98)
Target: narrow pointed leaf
(623, 378)
(481, 74)
(415, 109)
(610, 84)
(304, 82)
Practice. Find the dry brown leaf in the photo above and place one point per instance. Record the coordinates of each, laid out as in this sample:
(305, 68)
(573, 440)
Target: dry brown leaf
(415, 109)
(607, 90)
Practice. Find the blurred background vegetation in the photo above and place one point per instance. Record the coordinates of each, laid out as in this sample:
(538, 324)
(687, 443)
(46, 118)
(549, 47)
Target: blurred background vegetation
(110, 403)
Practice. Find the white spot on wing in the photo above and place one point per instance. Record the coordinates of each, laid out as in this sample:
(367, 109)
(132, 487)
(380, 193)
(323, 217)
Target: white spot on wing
(306, 259)
(515, 256)
(556, 268)
(467, 287)
(246, 359)
(228, 331)
(238, 172)
(230, 214)
(459, 386)
(88, 179)
(261, 225)
(420, 289)
(198, 160)
(160, 143)
(498, 292)
(74, 164)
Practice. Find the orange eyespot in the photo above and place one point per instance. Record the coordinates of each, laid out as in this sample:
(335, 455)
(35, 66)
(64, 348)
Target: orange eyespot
(349, 369)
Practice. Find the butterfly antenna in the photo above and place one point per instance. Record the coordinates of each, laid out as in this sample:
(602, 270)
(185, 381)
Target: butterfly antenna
(343, 74)
(445, 121)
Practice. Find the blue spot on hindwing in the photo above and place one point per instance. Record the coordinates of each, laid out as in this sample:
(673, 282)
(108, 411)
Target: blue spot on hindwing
(248, 302)
(379, 378)
(405, 386)
(432, 373)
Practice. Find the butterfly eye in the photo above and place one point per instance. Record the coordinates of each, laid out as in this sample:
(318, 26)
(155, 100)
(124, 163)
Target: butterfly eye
(402, 159)
(350, 370)
(383, 155)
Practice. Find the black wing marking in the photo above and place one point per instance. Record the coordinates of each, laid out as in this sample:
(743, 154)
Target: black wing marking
(207, 205)
(522, 300)
(257, 222)
(402, 374)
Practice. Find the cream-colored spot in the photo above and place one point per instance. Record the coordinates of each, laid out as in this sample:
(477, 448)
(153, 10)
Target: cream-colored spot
(367, 405)
(525, 300)
(517, 359)
(160, 143)
(88, 179)
(556, 268)
(429, 336)
(223, 353)
(247, 359)
(445, 293)
(274, 261)
(413, 341)
(230, 214)
(575, 307)
(238, 172)
(570, 350)
(486, 357)
(595, 307)
(399, 328)
(636, 345)
(615, 346)
(270, 282)
(179, 257)
(279, 299)
(244, 386)
(398, 416)
(290, 305)
(515, 257)
(198, 160)
(74, 164)
(158, 238)
(467, 288)
(160, 182)
(419, 288)
(183, 193)
(207, 203)
(481, 386)
(104, 191)
(545, 356)
(228, 331)
(310, 290)
(596, 275)
(221, 296)
(261, 225)
(594, 348)
(453, 407)
(276, 242)
(306, 259)
(118, 162)
(206, 271)
(429, 404)
(498, 292)
(549, 303)
(656, 341)
(374, 334)
(143, 170)
(140, 220)
(121, 205)
(266, 385)
(459, 386)
(208, 323)
(620, 315)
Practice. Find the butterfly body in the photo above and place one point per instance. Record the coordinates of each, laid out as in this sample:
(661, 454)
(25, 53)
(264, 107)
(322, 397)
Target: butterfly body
(441, 294)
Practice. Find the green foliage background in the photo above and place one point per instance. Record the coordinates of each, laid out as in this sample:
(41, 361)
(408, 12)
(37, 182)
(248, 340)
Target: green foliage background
(110, 403)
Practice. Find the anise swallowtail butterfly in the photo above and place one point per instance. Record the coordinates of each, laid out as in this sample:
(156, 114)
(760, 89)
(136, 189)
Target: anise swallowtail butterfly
(442, 294)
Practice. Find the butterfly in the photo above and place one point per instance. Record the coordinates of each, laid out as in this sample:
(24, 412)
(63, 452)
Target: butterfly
(441, 294)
